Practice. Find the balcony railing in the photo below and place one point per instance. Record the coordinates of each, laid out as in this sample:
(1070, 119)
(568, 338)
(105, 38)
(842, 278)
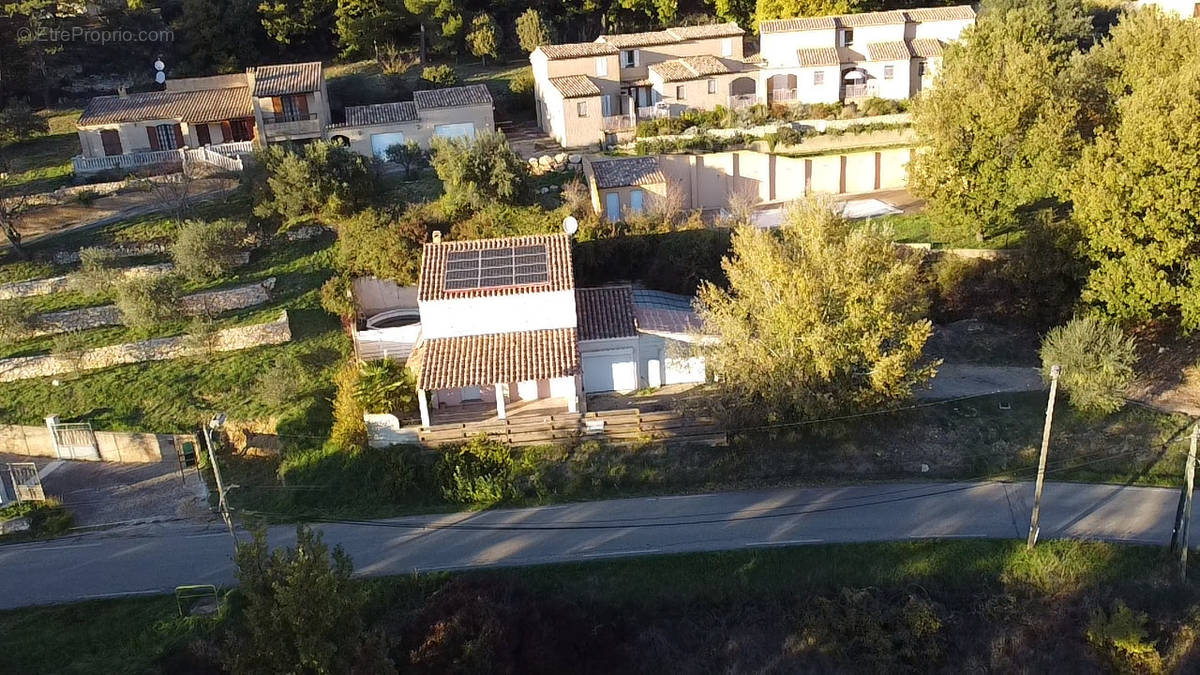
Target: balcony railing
(653, 112)
(224, 156)
(780, 95)
(618, 123)
(291, 125)
(738, 101)
(855, 91)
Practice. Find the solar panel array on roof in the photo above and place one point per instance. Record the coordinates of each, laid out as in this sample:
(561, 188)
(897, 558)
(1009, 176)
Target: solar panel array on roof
(496, 267)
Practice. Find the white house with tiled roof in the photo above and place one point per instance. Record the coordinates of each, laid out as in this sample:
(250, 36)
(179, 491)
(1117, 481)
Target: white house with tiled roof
(452, 112)
(586, 91)
(501, 321)
(847, 57)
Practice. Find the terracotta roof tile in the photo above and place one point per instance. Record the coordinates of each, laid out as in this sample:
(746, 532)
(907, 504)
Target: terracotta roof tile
(575, 86)
(955, 13)
(202, 105)
(381, 113)
(560, 274)
(623, 172)
(647, 39)
(888, 51)
(288, 78)
(605, 313)
(706, 31)
(870, 19)
(927, 47)
(480, 360)
(690, 68)
(452, 97)
(818, 56)
(797, 24)
(575, 50)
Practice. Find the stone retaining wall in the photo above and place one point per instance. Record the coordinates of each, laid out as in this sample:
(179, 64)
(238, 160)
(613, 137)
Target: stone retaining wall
(120, 251)
(207, 302)
(48, 285)
(158, 349)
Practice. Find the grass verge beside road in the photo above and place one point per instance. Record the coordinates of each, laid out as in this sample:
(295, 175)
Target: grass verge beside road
(984, 604)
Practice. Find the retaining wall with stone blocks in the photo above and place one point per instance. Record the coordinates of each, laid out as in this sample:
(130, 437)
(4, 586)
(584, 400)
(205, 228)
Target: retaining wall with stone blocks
(123, 251)
(158, 349)
(207, 302)
(48, 285)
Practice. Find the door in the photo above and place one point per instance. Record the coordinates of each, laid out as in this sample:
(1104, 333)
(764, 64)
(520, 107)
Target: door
(609, 371)
(460, 130)
(612, 206)
(381, 142)
(111, 140)
(202, 135)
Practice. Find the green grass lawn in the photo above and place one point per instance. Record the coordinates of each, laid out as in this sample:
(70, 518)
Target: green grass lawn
(710, 606)
(43, 163)
(919, 228)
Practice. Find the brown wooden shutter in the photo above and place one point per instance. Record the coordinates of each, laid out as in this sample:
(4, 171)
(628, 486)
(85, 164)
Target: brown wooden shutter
(202, 135)
(277, 105)
(152, 132)
(111, 140)
(302, 103)
(226, 131)
(178, 136)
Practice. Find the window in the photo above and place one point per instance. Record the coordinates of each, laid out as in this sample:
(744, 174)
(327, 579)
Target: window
(581, 108)
(922, 68)
(606, 105)
(712, 86)
(818, 78)
(680, 92)
(847, 37)
(635, 201)
(166, 136)
(727, 46)
(602, 67)
(612, 206)
(889, 72)
(629, 58)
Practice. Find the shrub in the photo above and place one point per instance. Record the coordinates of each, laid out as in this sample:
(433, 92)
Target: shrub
(480, 170)
(48, 518)
(880, 106)
(1122, 637)
(409, 155)
(147, 301)
(875, 633)
(321, 180)
(15, 321)
(283, 381)
(1097, 363)
(349, 430)
(86, 197)
(95, 274)
(440, 76)
(204, 250)
(522, 84)
(385, 386)
(481, 472)
(337, 297)
(377, 243)
(503, 220)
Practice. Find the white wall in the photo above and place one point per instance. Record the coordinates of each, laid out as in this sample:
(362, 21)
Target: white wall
(941, 30)
(497, 314)
(900, 86)
(779, 49)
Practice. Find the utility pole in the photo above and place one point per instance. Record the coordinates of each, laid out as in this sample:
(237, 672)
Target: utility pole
(1189, 480)
(1055, 371)
(222, 505)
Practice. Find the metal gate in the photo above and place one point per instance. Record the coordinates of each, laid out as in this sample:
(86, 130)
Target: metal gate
(26, 482)
(75, 440)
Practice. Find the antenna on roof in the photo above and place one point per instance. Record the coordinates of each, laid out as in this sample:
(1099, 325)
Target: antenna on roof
(159, 67)
(570, 226)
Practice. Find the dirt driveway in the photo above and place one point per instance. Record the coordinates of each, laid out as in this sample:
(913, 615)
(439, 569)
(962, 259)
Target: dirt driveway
(108, 493)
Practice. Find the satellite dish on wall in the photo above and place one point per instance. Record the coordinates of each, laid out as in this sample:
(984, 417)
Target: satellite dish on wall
(570, 225)
(160, 77)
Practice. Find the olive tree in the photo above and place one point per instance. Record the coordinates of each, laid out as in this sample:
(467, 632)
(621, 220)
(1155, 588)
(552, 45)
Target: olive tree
(1097, 363)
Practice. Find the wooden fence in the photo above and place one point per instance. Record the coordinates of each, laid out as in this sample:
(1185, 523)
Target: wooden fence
(614, 426)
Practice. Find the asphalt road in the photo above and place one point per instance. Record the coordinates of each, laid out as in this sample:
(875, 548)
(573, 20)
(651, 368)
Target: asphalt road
(155, 560)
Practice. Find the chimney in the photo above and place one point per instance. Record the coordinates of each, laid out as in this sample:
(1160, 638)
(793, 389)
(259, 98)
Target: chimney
(122, 91)
(437, 236)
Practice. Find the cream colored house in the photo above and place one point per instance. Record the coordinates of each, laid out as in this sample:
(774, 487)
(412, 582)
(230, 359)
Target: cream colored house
(454, 112)
(227, 113)
(1181, 8)
(586, 92)
(893, 54)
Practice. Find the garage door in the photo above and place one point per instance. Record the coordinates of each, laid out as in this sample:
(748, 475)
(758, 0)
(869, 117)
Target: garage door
(609, 371)
(381, 142)
(461, 130)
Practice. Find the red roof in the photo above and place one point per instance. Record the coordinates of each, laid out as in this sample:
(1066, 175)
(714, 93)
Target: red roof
(480, 360)
(559, 277)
